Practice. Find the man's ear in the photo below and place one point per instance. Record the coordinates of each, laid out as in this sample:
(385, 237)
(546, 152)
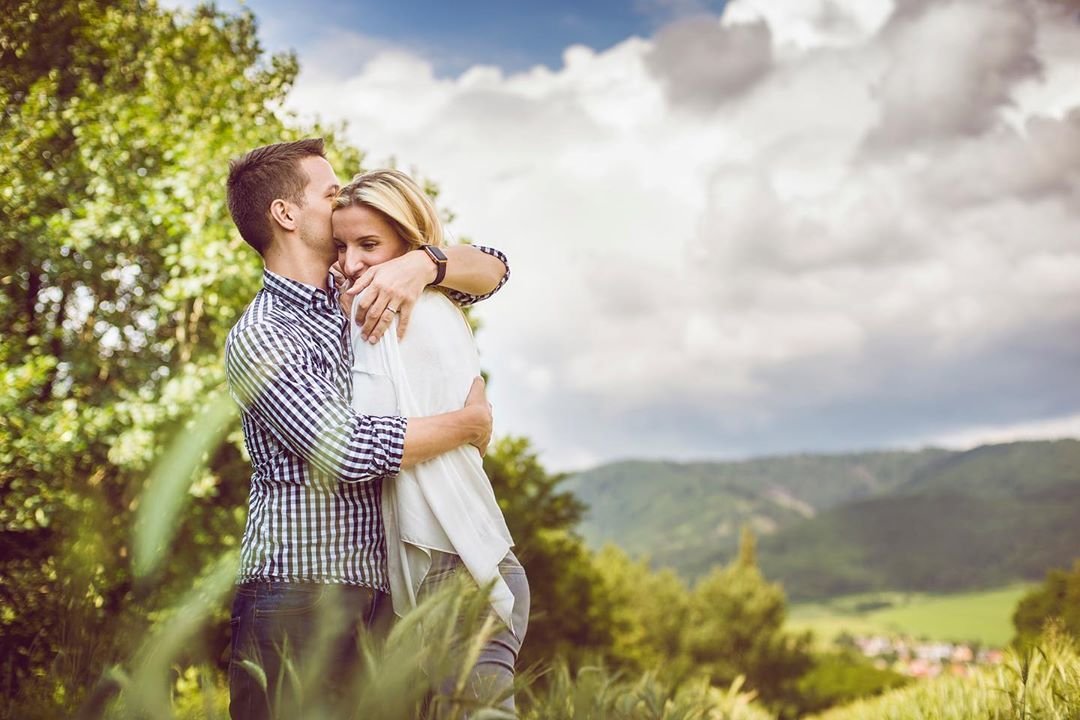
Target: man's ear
(282, 213)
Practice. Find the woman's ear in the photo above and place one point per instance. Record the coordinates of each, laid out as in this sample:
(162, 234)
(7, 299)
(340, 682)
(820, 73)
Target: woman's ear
(282, 213)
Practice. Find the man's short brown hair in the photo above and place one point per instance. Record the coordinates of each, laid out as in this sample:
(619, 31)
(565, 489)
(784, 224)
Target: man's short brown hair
(262, 176)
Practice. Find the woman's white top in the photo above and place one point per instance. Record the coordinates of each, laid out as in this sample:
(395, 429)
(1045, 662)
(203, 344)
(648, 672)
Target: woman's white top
(446, 503)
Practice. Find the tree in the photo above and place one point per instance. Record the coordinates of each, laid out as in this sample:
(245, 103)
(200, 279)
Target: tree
(571, 613)
(838, 678)
(120, 274)
(735, 627)
(1057, 598)
(649, 615)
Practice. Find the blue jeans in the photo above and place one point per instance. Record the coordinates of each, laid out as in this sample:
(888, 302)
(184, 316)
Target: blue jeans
(303, 639)
(494, 669)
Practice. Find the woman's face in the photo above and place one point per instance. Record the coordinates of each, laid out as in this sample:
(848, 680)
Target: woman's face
(364, 238)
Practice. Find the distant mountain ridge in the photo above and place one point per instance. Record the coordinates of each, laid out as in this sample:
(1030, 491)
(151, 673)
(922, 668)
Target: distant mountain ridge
(930, 520)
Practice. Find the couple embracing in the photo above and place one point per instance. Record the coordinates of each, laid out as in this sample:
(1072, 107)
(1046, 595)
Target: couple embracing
(365, 419)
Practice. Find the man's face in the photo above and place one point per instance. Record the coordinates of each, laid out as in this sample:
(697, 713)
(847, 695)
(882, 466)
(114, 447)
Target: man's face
(314, 217)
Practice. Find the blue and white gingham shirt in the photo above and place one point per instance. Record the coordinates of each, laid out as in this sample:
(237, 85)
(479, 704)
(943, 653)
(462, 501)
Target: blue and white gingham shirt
(313, 510)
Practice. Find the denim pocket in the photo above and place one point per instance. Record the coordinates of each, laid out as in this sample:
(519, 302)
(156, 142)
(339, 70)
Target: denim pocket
(281, 599)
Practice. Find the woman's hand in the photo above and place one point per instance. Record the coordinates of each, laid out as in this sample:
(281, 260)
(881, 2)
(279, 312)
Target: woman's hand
(342, 283)
(393, 288)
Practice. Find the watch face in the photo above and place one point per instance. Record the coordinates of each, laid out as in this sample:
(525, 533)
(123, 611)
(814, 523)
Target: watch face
(436, 254)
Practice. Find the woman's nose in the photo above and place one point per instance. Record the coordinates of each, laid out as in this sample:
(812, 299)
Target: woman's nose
(351, 266)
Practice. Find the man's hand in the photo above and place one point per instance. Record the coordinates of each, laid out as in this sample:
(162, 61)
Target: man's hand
(478, 402)
(431, 436)
(393, 288)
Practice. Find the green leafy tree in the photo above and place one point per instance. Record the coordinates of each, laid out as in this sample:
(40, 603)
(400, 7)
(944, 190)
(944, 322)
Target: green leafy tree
(120, 274)
(1058, 597)
(842, 677)
(735, 627)
(649, 615)
(570, 612)
(729, 626)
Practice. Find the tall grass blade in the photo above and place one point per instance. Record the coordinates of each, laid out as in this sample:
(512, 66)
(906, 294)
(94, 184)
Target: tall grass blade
(148, 691)
(166, 491)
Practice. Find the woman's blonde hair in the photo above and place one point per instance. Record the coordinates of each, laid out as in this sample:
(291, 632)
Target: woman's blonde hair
(400, 200)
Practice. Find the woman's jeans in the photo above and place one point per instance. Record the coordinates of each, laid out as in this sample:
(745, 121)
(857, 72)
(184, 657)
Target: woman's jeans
(493, 673)
(301, 640)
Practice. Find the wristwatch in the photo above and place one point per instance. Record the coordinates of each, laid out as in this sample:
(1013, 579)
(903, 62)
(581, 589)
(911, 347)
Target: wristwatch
(439, 258)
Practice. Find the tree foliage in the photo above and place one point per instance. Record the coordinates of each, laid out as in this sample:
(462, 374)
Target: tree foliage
(842, 677)
(570, 613)
(649, 611)
(120, 274)
(729, 626)
(1056, 599)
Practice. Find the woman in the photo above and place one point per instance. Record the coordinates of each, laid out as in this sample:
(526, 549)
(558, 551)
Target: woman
(441, 517)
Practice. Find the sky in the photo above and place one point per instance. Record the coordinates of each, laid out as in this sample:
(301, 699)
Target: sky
(453, 37)
(773, 227)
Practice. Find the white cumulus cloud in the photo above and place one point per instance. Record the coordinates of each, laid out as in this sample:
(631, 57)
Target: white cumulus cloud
(814, 224)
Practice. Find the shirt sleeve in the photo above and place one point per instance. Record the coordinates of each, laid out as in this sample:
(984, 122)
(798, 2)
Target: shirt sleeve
(462, 298)
(272, 375)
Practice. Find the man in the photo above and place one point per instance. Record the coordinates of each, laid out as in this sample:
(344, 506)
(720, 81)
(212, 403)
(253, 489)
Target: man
(312, 571)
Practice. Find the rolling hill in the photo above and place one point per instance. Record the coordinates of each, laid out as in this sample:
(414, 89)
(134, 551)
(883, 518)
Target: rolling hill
(930, 520)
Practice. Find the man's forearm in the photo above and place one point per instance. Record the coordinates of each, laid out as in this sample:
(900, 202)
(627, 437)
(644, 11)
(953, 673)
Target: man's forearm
(428, 437)
(270, 374)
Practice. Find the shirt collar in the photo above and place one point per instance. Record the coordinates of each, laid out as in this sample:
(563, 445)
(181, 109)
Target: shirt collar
(299, 293)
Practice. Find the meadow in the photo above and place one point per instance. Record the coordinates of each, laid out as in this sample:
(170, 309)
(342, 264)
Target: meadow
(984, 617)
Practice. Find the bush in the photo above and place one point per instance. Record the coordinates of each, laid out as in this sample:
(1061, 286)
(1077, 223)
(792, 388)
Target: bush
(1058, 598)
(843, 677)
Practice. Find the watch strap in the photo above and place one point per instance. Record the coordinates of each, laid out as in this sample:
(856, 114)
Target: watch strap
(439, 258)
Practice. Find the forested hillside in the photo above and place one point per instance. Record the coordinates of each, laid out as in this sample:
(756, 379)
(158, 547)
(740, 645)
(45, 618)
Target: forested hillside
(984, 518)
(930, 520)
(688, 515)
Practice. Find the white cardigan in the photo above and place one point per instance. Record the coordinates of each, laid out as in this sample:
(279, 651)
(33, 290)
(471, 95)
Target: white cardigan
(446, 503)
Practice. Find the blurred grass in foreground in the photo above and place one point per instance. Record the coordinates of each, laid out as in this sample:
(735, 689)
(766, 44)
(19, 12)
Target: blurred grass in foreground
(1041, 681)
(170, 671)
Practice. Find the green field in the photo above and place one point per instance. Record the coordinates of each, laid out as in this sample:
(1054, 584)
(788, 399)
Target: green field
(983, 616)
